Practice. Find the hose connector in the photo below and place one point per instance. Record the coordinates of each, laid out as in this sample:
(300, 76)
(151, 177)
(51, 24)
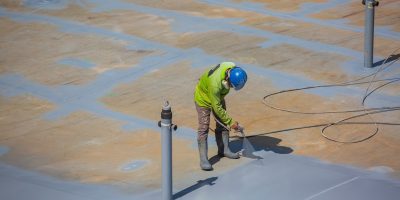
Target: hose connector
(166, 112)
(166, 115)
(373, 3)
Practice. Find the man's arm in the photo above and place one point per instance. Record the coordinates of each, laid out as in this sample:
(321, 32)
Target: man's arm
(215, 98)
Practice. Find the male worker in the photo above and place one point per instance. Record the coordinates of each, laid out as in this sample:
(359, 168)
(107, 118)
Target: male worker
(209, 95)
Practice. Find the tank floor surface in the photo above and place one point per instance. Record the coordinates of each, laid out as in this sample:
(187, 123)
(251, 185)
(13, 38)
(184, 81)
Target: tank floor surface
(294, 177)
(82, 83)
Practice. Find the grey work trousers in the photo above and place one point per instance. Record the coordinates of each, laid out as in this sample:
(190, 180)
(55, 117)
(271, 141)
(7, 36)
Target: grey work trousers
(203, 114)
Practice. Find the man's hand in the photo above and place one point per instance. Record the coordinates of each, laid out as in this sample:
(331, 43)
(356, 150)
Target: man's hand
(238, 128)
(235, 126)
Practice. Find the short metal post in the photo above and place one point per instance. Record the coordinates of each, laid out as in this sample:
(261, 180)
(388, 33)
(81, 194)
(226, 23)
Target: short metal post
(369, 32)
(166, 140)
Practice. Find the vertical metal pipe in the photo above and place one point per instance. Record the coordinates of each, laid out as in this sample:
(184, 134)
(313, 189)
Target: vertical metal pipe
(166, 140)
(369, 32)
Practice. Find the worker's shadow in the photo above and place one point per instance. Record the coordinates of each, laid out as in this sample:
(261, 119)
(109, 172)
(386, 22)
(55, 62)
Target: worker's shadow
(253, 144)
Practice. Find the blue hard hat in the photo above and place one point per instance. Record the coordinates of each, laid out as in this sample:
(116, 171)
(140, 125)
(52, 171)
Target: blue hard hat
(238, 78)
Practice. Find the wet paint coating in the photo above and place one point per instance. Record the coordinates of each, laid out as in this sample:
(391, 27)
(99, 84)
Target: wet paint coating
(37, 186)
(274, 175)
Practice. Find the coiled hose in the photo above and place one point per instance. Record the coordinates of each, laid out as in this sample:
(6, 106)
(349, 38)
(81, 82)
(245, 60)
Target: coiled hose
(364, 111)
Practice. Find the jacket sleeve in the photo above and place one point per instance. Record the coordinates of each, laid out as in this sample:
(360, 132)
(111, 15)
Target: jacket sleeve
(215, 98)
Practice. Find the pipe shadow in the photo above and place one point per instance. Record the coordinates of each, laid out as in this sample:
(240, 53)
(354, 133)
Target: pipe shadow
(199, 184)
(389, 59)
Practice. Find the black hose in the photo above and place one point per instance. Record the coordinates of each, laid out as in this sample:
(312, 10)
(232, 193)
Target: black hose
(366, 111)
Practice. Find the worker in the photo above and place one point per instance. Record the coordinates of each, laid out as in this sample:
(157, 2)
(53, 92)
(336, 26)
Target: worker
(209, 95)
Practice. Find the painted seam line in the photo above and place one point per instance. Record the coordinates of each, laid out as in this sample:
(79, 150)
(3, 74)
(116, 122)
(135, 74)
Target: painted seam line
(331, 188)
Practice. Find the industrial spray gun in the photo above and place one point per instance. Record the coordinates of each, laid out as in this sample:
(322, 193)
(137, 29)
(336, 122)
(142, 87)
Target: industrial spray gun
(239, 130)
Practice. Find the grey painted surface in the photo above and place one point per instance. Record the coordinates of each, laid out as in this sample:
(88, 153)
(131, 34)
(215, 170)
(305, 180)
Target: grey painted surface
(275, 176)
(17, 184)
(285, 176)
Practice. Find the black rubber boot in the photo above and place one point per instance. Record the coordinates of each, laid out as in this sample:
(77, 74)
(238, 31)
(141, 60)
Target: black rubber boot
(222, 139)
(203, 149)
